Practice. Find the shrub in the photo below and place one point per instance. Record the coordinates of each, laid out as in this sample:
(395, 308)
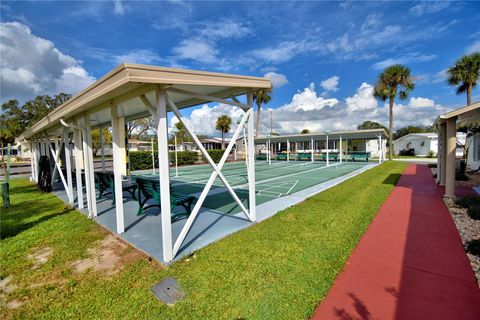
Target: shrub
(184, 157)
(474, 212)
(431, 154)
(142, 160)
(468, 201)
(216, 155)
(473, 247)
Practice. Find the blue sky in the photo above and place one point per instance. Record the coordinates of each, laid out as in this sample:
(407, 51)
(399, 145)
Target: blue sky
(323, 57)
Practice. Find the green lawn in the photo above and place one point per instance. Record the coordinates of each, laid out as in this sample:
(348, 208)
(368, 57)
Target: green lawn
(278, 269)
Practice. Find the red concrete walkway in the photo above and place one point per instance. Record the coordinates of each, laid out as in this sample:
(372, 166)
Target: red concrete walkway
(410, 264)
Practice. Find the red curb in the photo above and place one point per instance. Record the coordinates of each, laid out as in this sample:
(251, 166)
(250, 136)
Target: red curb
(410, 264)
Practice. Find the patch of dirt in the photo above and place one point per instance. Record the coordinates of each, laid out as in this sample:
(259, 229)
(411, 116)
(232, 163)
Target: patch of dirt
(40, 257)
(109, 257)
(6, 285)
(14, 304)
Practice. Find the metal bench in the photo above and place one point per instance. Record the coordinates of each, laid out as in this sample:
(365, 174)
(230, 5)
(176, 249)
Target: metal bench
(105, 184)
(331, 156)
(149, 188)
(359, 155)
(304, 156)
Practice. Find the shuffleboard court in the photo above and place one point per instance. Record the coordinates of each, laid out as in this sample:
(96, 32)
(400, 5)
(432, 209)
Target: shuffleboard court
(273, 181)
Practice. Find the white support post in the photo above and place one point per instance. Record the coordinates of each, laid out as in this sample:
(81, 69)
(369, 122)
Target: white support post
(77, 140)
(251, 159)
(311, 147)
(35, 160)
(341, 150)
(164, 173)
(328, 156)
(346, 150)
(118, 145)
(68, 163)
(88, 164)
(153, 156)
(32, 166)
(102, 148)
(288, 150)
(269, 156)
(379, 149)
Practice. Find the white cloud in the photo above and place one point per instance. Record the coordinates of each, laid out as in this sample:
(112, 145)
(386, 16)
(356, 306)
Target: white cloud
(119, 7)
(201, 45)
(363, 99)
(421, 102)
(277, 79)
(308, 110)
(427, 7)
(202, 120)
(285, 51)
(408, 58)
(474, 47)
(32, 66)
(145, 56)
(330, 84)
(441, 76)
(196, 49)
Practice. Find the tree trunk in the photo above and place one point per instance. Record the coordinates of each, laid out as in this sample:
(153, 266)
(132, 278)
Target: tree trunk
(390, 126)
(469, 94)
(257, 128)
(223, 141)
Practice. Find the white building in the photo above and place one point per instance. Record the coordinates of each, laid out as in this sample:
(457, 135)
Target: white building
(423, 143)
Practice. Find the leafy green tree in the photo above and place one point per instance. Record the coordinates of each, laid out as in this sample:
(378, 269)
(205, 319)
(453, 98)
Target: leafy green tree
(223, 125)
(412, 129)
(262, 96)
(107, 138)
(465, 74)
(394, 80)
(305, 131)
(372, 125)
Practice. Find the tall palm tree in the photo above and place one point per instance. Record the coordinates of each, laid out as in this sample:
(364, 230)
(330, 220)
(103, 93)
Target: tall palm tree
(465, 73)
(223, 125)
(395, 79)
(261, 97)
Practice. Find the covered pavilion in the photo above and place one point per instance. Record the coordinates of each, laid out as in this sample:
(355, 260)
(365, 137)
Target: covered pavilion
(129, 92)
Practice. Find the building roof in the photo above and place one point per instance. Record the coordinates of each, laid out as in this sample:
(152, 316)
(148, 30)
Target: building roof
(348, 134)
(464, 115)
(124, 85)
(420, 135)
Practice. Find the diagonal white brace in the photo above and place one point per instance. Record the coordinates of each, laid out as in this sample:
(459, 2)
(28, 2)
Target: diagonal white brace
(217, 168)
(214, 175)
(57, 165)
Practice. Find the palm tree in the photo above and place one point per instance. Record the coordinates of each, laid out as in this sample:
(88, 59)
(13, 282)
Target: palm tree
(393, 80)
(305, 131)
(261, 97)
(223, 125)
(465, 74)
